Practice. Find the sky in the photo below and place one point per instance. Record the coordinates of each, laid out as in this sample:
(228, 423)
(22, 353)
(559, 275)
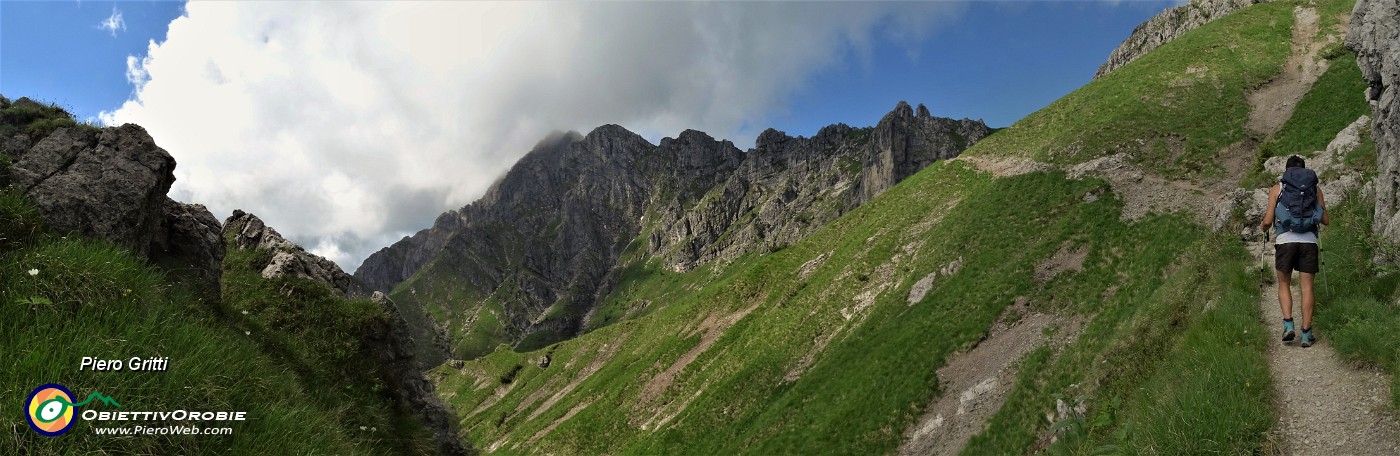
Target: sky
(348, 125)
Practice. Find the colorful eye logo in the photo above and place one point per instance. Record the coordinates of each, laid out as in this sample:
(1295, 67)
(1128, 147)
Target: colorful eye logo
(50, 409)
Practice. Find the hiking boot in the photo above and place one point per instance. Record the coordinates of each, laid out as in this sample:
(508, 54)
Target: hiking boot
(1308, 338)
(1287, 331)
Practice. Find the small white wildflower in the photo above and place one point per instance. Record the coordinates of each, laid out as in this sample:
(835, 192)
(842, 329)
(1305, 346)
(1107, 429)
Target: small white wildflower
(247, 333)
(33, 272)
(245, 312)
(362, 428)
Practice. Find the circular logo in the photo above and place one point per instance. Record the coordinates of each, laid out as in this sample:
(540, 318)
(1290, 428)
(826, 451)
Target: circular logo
(50, 410)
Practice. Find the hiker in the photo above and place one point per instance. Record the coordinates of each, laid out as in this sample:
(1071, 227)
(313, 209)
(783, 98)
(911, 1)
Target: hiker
(1298, 211)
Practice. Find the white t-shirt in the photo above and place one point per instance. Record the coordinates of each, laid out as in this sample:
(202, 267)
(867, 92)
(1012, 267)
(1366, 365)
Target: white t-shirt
(1289, 237)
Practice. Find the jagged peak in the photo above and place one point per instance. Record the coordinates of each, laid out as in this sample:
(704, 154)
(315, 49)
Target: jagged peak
(612, 131)
(833, 130)
(695, 135)
(901, 110)
(771, 136)
(557, 137)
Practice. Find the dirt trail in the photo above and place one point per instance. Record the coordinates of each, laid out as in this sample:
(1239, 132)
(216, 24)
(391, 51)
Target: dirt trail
(1325, 406)
(1271, 105)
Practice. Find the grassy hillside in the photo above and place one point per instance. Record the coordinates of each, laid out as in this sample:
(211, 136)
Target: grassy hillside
(734, 390)
(285, 351)
(817, 349)
(67, 298)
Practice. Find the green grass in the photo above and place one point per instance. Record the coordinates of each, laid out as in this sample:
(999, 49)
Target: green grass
(1354, 294)
(1182, 372)
(1335, 101)
(301, 384)
(873, 378)
(34, 119)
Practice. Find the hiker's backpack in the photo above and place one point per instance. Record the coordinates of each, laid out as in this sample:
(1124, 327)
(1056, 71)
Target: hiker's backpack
(1297, 209)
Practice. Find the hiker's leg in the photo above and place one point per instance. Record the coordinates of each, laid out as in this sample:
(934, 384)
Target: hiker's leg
(1307, 286)
(1285, 295)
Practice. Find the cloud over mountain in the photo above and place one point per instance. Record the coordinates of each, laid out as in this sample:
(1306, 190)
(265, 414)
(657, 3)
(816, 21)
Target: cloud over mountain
(350, 125)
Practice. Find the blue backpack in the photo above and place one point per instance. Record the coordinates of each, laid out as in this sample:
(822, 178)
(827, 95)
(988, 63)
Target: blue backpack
(1297, 209)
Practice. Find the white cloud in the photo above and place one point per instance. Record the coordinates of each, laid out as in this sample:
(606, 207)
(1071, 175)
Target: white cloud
(349, 125)
(113, 23)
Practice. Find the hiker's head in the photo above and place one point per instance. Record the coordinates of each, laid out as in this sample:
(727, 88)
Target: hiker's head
(1295, 162)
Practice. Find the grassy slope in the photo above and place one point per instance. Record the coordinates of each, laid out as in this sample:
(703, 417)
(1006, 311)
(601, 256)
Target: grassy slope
(90, 299)
(1190, 89)
(1184, 300)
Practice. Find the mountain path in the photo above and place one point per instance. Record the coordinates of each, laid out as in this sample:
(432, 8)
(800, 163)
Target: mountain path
(1324, 405)
(1272, 104)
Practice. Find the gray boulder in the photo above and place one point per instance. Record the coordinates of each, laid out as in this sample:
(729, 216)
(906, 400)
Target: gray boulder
(108, 184)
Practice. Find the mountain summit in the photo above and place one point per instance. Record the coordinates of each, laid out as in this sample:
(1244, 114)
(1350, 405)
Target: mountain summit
(528, 263)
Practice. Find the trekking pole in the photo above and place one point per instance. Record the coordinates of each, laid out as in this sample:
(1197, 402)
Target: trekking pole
(1322, 263)
(1263, 252)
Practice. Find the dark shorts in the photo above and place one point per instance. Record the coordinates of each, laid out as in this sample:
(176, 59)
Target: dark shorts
(1299, 256)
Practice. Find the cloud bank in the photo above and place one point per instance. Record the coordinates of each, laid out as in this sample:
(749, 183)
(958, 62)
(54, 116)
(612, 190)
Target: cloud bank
(349, 125)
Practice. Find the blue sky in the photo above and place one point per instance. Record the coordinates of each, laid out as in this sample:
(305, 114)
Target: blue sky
(347, 125)
(998, 62)
(76, 63)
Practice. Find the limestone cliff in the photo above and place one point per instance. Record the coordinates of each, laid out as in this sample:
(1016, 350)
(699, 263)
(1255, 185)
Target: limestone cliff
(1374, 35)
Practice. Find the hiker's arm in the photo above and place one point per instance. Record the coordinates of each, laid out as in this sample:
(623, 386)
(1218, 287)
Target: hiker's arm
(1269, 209)
(1326, 219)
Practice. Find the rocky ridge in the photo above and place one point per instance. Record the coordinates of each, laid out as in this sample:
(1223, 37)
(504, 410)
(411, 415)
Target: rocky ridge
(546, 240)
(786, 187)
(1166, 26)
(248, 232)
(1374, 35)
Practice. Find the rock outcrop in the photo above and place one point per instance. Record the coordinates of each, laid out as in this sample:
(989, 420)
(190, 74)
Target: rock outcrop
(187, 242)
(545, 241)
(248, 232)
(1166, 26)
(106, 184)
(391, 345)
(111, 184)
(1374, 35)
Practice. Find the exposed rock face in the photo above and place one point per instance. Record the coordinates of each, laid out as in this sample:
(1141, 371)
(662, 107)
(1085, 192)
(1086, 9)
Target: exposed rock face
(107, 184)
(1375, 37)
(187, 241)
(1166, 26)
(248, 232)
(546, 240)
(393, 347)
(110, 184)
